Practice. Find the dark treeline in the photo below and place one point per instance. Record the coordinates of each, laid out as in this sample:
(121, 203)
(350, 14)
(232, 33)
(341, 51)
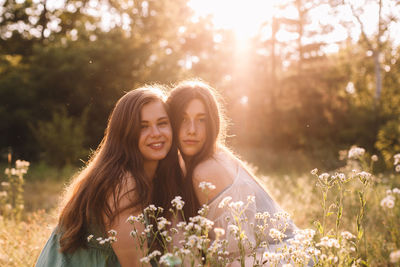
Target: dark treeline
(61, 72)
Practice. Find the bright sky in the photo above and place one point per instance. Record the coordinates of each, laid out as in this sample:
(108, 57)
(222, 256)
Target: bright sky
(245, 17)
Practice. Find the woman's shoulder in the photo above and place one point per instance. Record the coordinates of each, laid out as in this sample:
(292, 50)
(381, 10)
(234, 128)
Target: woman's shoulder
(218, 170)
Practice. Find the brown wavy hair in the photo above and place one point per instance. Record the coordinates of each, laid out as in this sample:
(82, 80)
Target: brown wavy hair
(178, 100)
(117, 158)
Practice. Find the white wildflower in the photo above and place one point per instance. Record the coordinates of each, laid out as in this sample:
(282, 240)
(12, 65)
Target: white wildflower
(374, 158)
(162, 222)
(89, 238)
(112, 232)
(396, 190)
(7, 171)
(328, 242)
(396, 159)
(251, 199)
(5, 184)
(324, 176)
(219, 231)
(397, 168)
(347, 235)
(145, 260)
(3, 194)
(388, 202)
(314, 171)
(356, 152)
(206, 186)
(364, 175)
(236, 205)
(276, 234)
(133, 233)
(233, 229)
(395, 255)
(224, 202)
(177, 202)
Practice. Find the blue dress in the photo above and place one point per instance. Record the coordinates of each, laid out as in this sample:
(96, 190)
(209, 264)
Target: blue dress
(94, 255)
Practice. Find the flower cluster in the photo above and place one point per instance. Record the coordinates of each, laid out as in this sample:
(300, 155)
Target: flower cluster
(356, 152)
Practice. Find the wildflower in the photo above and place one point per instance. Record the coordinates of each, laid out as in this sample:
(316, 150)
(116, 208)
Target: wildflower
(148, 228)
(395, 255)
(324, 176)
(89, 238)
(19, 164)
(145, 260)
(177, 202)
(236, 205)
(233, 229)
(112, 232)
(132, 219)
(219, 231)
(396, 159)
(365, 176)
(206, 185)
(5, 184)
(342, 177)
(388, 202)
(396, 190)
(374, 158)
(347, 235)
(7, 171)
(276, 234)
(314, 171)
(162, 222)
(251, 199)
(224, 202)
(133, 233)
(397, 168)
(328, 242)
(356, 152)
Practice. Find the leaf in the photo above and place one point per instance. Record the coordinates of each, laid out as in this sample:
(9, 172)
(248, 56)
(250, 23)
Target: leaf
(360, 233)
(319, 227)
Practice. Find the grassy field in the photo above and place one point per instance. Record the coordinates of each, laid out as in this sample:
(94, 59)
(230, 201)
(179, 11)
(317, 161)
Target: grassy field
(329, 204)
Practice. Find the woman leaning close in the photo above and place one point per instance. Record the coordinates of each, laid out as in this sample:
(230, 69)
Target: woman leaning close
(135, 160)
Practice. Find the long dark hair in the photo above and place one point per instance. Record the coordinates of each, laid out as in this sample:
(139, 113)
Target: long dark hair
(178, 100)
(117, 158)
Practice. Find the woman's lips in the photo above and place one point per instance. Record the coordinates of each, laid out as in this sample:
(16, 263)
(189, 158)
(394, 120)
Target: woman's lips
(156, 145)
(190, 142)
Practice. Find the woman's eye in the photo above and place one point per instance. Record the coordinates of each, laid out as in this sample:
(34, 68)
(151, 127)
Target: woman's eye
(202, 119)
(143, 126)
(163, 123)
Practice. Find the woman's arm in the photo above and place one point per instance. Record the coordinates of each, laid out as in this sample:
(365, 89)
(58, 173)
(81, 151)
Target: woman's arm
(126, 247)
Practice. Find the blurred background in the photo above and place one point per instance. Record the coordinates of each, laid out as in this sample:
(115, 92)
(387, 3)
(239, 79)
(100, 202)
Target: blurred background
(302, 80)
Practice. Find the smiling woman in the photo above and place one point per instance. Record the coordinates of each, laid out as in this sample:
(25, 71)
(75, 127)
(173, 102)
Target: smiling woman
(136, 158)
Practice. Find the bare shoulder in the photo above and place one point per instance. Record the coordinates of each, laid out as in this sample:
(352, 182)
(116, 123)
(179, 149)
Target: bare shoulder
(215, 170)
(207, 168)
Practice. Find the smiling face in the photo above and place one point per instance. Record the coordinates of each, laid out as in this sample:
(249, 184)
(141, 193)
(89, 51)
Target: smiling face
(192, 132)
(156, 134)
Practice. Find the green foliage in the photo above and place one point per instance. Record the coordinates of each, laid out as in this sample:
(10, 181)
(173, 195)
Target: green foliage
(62, 139)
(388, 141)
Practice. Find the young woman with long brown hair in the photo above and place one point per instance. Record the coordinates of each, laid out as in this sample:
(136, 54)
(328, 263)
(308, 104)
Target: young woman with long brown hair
(135, 165)
(199, 128)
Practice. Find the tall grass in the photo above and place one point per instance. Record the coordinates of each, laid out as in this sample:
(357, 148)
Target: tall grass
(354, 212)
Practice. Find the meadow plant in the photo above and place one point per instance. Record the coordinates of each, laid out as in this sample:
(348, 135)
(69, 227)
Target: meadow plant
(12, 190)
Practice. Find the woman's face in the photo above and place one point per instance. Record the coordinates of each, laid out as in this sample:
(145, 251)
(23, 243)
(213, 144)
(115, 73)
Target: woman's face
(156, 134)
(192, 133)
